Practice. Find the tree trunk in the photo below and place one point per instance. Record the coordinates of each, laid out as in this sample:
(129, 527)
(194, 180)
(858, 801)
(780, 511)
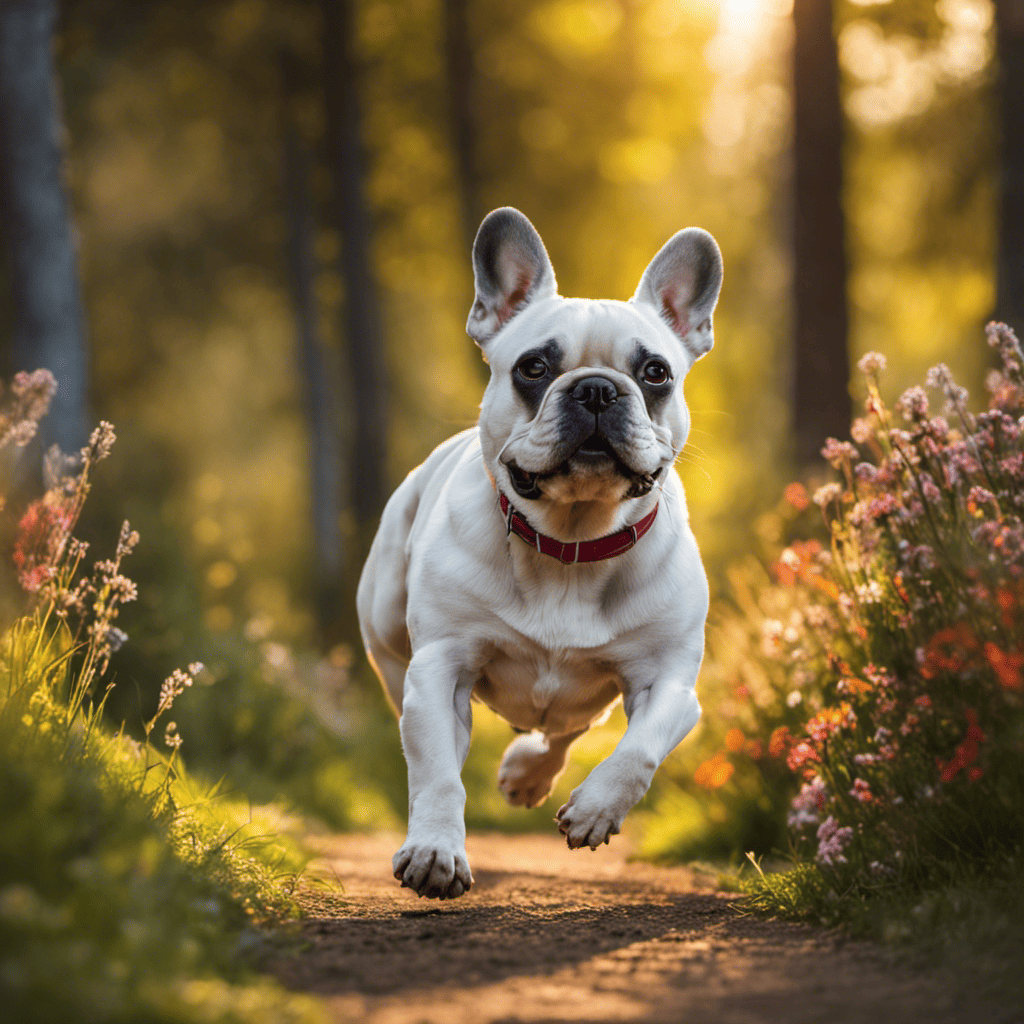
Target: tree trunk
(319, 385)
(1010, 277)
(47, 329)
(821, 364)
(458, 52)
(362, 330)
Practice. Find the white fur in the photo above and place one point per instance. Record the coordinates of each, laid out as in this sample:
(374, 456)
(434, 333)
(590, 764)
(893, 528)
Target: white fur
(451, 607)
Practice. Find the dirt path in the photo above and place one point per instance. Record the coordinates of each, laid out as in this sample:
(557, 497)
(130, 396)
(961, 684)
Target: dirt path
(552, 935)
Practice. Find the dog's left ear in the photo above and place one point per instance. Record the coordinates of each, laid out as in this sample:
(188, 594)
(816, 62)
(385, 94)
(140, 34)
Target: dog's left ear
(682, 283)
(512, 269)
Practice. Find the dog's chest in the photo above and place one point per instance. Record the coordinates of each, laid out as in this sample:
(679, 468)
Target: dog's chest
(555, 693)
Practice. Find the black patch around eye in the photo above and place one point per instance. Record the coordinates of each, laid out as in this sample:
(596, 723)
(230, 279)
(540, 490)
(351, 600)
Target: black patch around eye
(532, 391)
(655, 395)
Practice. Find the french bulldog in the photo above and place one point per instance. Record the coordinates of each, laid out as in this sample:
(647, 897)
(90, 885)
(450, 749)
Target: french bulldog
(542, 562)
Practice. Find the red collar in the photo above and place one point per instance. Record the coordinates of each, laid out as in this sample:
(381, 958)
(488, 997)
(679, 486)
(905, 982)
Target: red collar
(575, 551)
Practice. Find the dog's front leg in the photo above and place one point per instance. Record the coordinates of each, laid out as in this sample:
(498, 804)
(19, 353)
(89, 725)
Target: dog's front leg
(660, 715)
(435, 726)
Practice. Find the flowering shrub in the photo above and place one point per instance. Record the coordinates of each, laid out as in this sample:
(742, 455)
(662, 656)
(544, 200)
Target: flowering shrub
(878, 677)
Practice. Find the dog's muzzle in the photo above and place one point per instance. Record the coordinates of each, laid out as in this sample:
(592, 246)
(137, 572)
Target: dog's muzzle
(594, 428)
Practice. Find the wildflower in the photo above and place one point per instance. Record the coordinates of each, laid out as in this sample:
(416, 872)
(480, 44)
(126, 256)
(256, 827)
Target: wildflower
(42, 533)
(800, 755)
(862, 430)
(862, 792)
(771, 632)
(734, 740)
(796, 495)
(171, 736)
(829, 721)
(865, 473)
(101, 441)
(126, 541)
(195, 668)
(715, 772)
(941, 378)
(826, 494)
(966, 752)
(949, 650)
(832, 840)
(808, 804)
(173, 687)
(869, 593)
(913, 403)
(779, 741)
(910, 723)
(872, 363)
(116, 638)
(1006, 665)
(838, 453)
(794, 698)
(790, 559)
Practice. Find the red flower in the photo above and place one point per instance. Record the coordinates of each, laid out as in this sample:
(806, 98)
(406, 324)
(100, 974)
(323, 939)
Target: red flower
(40, 533)
(1006, 666)
(966, 753)
(949, 650)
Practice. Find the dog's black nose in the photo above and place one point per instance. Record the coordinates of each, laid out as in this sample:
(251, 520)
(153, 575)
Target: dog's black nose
(595, 394)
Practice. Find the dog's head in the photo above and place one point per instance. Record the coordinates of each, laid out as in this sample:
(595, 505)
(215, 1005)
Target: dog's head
(585, 402)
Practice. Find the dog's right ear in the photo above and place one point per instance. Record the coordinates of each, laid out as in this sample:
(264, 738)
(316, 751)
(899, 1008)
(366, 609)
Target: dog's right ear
(511, 268)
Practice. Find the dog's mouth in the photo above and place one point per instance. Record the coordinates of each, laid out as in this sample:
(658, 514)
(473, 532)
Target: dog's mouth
(592, 454)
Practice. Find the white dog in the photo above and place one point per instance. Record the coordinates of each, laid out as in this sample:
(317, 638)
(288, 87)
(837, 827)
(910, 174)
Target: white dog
(543, 562)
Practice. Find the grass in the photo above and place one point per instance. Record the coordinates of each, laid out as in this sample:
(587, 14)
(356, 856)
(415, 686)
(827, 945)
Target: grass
(127, 892)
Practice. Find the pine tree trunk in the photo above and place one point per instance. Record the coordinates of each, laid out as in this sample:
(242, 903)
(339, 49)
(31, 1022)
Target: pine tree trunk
(47, 329)
(1010, 278)
(362, 329)
(821, 364)
(319, 386)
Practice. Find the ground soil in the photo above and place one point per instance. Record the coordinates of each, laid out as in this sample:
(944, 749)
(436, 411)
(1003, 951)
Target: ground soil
(549, 934)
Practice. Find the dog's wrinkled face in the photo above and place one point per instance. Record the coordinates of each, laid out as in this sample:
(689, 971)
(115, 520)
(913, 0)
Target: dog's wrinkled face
(585, 401)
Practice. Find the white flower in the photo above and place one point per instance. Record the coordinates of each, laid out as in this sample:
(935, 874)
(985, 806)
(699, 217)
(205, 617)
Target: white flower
(790, 559)
(794, 698)
(826, 494)
(869, 593)
(872, 362)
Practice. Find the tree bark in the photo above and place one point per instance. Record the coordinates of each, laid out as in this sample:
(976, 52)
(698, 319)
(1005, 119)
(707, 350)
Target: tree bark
(821, 363)
(47, 329)
(319, 386)
(362, 329)
(1010, 260)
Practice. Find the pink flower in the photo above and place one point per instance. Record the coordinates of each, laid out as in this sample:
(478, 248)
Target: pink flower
(832, 840)
(862, 791)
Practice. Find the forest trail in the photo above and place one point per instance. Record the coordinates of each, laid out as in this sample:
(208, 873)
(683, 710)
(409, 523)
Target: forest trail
(549, 934)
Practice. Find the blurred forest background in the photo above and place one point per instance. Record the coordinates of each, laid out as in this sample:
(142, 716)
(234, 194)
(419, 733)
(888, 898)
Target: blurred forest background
(261, 276)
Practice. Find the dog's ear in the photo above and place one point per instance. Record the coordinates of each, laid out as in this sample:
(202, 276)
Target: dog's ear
(682, 283)
(512, 269)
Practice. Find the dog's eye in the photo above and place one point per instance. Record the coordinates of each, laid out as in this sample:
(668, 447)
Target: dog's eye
(655, 372)
(532, 368)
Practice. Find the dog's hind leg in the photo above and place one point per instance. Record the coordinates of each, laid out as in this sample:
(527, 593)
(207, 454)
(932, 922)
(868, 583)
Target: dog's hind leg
(531, 765)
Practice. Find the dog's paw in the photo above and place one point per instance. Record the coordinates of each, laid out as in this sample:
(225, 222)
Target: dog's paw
(586, 826)
(595, 810)
(529, 769)
(434, 870)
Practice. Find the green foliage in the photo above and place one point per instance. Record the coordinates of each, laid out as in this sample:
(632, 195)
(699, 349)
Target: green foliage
(126, 892)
